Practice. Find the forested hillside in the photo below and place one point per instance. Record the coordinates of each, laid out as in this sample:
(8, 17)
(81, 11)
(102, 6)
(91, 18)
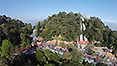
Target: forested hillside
(68, 25)
(14, 32)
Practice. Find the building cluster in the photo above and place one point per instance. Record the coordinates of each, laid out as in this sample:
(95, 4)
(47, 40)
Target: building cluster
(103, 52)
(50, 45)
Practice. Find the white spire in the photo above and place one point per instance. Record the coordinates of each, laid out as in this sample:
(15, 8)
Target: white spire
(82, 19)
(81, 37)
(84, 28)
(81, 25)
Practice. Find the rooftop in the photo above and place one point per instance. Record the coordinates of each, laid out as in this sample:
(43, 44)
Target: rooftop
(83, 42)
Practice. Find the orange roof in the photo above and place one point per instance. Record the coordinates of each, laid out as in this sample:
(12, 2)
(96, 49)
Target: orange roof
(72, 41)
(41, 39)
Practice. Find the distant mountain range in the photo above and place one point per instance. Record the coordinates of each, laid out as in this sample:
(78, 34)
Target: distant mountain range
(111, 25)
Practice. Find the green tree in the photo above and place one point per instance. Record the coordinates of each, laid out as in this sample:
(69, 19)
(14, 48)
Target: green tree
(76, 56)
(23, 37)
(67, 55)
(68, 64)
(38, 65)
(4, 61)
(55, 57)
(23, 45)
(47, 54)
(80, 46)
(49, 65)
(97, 44)
(80, 64)
(56, 44)
(47, 34)
(115, 53)
(62, 45)
(28, 42)
(90, 52)
(38, 29)
(40, 57)
(29, 29)
(2, 36)
(87, 64)
(6, 45)
(25, 41)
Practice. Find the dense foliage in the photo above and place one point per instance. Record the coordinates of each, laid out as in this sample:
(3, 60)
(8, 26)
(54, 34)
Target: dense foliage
(14, 32)
(68, 25)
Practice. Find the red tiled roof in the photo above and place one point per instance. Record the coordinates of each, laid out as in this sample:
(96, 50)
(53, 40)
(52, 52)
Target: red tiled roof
(40, 45)
(72, 41)
(83, 42)
(28, 47)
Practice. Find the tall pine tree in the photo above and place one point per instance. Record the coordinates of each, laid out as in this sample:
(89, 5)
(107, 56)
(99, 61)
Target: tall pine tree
(38, 29)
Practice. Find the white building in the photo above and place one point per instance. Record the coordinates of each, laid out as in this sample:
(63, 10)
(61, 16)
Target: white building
(81, 25)
(82, 42)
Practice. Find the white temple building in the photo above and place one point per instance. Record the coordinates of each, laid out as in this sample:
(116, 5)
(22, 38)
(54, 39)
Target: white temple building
(83, 40)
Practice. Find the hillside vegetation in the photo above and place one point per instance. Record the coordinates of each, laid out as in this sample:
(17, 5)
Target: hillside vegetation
(68, 25)
(14, 32)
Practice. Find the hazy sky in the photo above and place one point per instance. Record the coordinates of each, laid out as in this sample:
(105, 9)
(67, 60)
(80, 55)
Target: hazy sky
(35, 10)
